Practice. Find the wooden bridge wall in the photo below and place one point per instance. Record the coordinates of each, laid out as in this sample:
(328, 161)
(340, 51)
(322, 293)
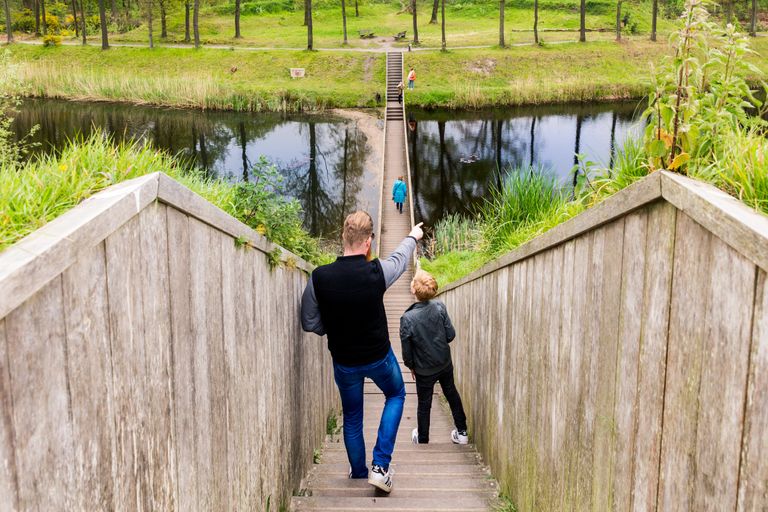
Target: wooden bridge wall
(154, 365)
(620, 361)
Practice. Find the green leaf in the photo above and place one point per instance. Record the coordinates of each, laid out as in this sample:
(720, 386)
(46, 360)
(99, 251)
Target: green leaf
(657, 148)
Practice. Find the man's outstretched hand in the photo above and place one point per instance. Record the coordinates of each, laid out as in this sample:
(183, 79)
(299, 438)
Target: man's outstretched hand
(416, 232)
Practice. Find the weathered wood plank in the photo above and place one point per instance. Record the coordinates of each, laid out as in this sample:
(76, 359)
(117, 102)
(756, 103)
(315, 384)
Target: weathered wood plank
(630, 328)
(184, 393)
(567, 457)
(89, 363)
(687, 333)
(9, 480)
(741, 227)
(753, 480)
(155, 300)
(126, 320)
(659, 252)
(636, 195)
(43, 255)
(728, 331)
(42, 423)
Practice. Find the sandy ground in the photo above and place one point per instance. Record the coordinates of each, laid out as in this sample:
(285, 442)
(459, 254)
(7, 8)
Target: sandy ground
(369, 121)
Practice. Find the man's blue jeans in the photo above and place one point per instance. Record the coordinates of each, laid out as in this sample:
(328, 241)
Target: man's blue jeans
(386, 374)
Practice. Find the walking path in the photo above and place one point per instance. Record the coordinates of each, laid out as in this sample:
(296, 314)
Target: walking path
(436, 477)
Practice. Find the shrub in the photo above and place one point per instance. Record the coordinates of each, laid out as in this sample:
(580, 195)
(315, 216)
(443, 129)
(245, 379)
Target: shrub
(51, 40)
(52, 23)
(24, 21)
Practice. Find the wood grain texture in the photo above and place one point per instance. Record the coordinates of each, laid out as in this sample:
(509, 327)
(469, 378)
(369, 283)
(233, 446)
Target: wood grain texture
(9, 481)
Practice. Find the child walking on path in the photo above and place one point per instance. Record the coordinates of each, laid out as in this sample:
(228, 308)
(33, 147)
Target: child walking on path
(425, 332)
(398, 193)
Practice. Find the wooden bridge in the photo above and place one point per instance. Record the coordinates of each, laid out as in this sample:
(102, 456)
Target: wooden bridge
(434, 477)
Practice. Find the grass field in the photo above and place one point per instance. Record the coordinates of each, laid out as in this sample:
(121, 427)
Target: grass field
(459, 79)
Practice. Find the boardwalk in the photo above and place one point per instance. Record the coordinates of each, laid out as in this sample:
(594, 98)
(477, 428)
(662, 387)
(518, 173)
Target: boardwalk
(435, 477)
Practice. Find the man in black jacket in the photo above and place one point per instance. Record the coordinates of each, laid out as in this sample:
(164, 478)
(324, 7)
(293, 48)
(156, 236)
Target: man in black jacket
(345, 300)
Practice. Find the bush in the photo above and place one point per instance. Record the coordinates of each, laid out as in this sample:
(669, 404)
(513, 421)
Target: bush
(24, 21)
(52, 23)
(51, 40)
(256, 7)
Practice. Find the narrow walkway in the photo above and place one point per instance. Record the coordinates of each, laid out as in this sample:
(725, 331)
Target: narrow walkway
(436, 477)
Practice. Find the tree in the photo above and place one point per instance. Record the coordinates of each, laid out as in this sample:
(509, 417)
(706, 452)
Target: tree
(442, 21)
(753, 19)
(357, 13)
(237, 19)
(82, 20)
(195, 24)
(344, 19)
(536, 21)
(163, 25)
(415, 26)
(8, 27)
(103, 22)
(501, 23)
(45, 21)
(433, 19)
(74, 16)
(149, 23)
(618, 20)
(654, 15)
(308, 11)
(583, 22)
(37, 18)
(186, 21)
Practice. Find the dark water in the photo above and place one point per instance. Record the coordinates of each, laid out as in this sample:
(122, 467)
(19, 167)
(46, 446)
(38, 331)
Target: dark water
(456, 156)
(309, 151)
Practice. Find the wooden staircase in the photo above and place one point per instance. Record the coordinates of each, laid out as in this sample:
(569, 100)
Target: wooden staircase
(440, 476)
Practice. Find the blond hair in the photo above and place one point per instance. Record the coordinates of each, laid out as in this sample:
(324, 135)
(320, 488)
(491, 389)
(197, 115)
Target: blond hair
(358, 226)
(424, 285)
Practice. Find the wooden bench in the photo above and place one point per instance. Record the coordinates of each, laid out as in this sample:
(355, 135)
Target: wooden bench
(366, 34)
(399, 36)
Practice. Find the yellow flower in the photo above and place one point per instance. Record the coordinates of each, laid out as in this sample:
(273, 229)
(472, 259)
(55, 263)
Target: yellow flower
(261, 229)
(63, 167)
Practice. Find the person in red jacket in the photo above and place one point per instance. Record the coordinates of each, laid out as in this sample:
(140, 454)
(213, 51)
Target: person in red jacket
(411, 78)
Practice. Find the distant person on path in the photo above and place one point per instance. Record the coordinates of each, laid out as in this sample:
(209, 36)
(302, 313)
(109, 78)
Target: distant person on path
(425, 332)
(345, 300)
(400, 88)
(398, 193)
(411, 78)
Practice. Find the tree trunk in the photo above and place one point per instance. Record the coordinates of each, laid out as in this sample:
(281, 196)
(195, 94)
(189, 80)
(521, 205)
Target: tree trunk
(344, 19)
(74, 16)
(533, 142)
(163, 24)
(435, 6)
(45, 21)
(753, 19)
(308, 9)
(149, 24)
(195, 25)
(583, 22)
(618, 20)
(415, 26)
(654, 15)
(501, 23)
(187, 38)
(103, 23)
(306, 14)
(536, 21)
(37, 18)
(82, 20)
(357, 13)
(576, 153)
(244, 154)
(8, 27)
(237, 19)
(442, 21)
(113, 6)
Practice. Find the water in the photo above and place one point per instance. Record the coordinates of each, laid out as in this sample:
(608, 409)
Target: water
(309, 151)
(456, 156)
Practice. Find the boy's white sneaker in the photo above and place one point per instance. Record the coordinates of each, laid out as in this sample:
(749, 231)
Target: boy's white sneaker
(459, 437)
(415, 436)
(380, 479)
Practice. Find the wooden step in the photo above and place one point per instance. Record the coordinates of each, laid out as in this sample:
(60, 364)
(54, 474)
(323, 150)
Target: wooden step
(392, 503)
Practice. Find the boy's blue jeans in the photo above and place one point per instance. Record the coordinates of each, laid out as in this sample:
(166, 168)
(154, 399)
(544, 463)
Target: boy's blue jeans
(349, 379)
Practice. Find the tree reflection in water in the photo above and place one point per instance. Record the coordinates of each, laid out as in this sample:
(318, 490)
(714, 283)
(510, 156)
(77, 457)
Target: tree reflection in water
(320, 157)
(456, 157)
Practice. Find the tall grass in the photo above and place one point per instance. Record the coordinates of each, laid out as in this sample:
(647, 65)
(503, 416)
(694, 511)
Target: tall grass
(456, 232)
(35, 192)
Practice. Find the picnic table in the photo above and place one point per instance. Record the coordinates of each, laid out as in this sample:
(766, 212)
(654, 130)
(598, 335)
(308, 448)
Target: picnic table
(366, 34)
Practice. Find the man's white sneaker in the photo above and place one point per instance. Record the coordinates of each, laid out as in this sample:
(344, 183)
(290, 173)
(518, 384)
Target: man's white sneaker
(459, 437)
(415, 436)
(380, 479)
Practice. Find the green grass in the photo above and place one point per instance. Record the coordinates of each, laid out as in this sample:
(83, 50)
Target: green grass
(34, 193)
(454, 265)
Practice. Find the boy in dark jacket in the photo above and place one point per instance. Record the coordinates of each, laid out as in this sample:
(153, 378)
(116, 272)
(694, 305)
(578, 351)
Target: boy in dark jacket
(425, 332)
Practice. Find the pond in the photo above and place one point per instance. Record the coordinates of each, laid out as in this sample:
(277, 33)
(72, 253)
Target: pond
(322, 158)
(456, 156)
